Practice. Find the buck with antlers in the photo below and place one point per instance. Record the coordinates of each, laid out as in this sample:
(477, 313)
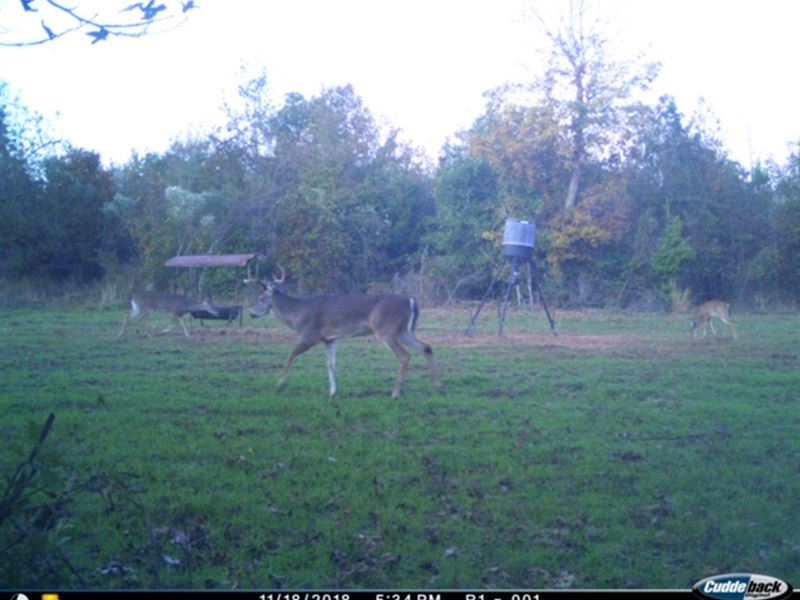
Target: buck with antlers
(326, 318)
(144, 302)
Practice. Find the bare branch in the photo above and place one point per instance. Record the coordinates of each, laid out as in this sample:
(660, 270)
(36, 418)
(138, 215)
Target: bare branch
(143, 16)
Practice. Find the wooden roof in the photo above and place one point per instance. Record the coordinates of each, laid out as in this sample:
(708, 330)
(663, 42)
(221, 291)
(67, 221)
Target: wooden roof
(210, 260)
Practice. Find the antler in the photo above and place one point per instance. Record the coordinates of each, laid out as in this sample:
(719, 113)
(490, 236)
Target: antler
(283, 276)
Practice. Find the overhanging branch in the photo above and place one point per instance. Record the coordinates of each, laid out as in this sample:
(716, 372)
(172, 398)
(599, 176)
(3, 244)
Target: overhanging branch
(139, 19)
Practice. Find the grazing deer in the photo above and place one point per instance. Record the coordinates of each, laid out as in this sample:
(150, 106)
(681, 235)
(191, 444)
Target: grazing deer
(143, 303)
(705, 312)
(391, 318)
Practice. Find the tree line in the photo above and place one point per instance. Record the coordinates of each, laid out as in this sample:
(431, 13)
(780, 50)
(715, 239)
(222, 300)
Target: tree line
(636, 206)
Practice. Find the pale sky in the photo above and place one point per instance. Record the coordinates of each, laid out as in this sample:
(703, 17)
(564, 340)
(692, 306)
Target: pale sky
(419, 65)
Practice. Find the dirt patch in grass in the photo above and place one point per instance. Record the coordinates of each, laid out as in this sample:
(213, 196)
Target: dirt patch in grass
(253, 334)
(572, 341)
(540, 340)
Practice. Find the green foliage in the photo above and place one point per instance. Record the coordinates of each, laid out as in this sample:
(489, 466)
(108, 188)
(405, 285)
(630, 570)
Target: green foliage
(672, 253)
(19, 190)
(316, 186)
(40, 495)
(787, 228)
(71, 216)
(466, 192)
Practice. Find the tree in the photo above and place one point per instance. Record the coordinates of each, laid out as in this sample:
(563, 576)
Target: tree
(71, 216)
(590, 92)
(787, 228)
(524, 147)
(182, 202)
(19, 191)
(670, 257)
(367, 198)
(677, 170)
(25, 144)
(44, 21)
(467, 200)
(336, 202)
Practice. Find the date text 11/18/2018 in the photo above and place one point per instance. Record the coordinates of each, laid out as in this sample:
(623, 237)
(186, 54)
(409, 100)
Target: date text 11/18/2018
(395, 596)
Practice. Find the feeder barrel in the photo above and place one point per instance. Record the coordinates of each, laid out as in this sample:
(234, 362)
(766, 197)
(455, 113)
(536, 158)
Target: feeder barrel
(518, 238)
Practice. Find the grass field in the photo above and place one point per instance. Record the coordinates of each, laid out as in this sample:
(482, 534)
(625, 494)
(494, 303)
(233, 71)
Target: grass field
(620, 455)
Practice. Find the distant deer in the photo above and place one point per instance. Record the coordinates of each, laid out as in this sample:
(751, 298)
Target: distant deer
(143, 303)
(705, 312)
(391, 318)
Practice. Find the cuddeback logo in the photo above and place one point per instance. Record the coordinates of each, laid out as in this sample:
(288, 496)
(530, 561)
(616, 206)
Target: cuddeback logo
(742, 586)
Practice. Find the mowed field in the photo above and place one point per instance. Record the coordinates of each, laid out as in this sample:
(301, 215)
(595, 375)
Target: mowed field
(619, 455)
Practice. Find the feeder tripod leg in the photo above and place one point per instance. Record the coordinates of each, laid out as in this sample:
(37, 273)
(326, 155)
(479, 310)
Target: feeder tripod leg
(504, 307)
(530, 284)
(480, 306)
(546, 310)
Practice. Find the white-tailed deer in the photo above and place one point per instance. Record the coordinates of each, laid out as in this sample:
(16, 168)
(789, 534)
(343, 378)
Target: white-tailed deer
(705, 312)
(391, 318)
(143, 303)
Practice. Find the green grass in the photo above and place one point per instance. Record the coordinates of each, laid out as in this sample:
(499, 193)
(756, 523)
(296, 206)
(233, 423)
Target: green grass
(620, 455)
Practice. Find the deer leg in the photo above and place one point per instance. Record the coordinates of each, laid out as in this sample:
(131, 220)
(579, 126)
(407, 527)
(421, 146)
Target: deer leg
(172, 319)
(711, 324)
(134, 313)
(301, 347)
(409, 339)
(143, 320)
(185, 331)
(125, 324)
(705, 328)
(330, 350)
(729, 323)
(403, 356)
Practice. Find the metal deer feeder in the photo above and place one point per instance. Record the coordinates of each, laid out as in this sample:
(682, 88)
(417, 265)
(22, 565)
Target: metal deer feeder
(519, 238)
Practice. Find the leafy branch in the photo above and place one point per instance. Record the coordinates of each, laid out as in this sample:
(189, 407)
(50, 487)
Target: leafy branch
(24, 474)
(136, 22)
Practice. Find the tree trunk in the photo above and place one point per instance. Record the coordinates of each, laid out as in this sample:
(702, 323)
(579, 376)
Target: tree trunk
(578, 127)
(572, 191)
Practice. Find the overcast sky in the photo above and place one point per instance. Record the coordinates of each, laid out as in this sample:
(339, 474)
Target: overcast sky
(419, 65)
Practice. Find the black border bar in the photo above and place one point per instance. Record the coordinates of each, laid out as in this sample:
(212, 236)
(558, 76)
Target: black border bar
(390, 594)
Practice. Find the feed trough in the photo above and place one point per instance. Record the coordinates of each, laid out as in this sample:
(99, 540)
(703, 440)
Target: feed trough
(224, 313)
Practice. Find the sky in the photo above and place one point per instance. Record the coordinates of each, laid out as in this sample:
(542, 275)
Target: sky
(421, 66)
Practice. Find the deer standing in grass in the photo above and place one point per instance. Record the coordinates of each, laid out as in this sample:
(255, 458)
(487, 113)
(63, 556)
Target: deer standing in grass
(705, 312)
(143, 303)
(326, 318)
